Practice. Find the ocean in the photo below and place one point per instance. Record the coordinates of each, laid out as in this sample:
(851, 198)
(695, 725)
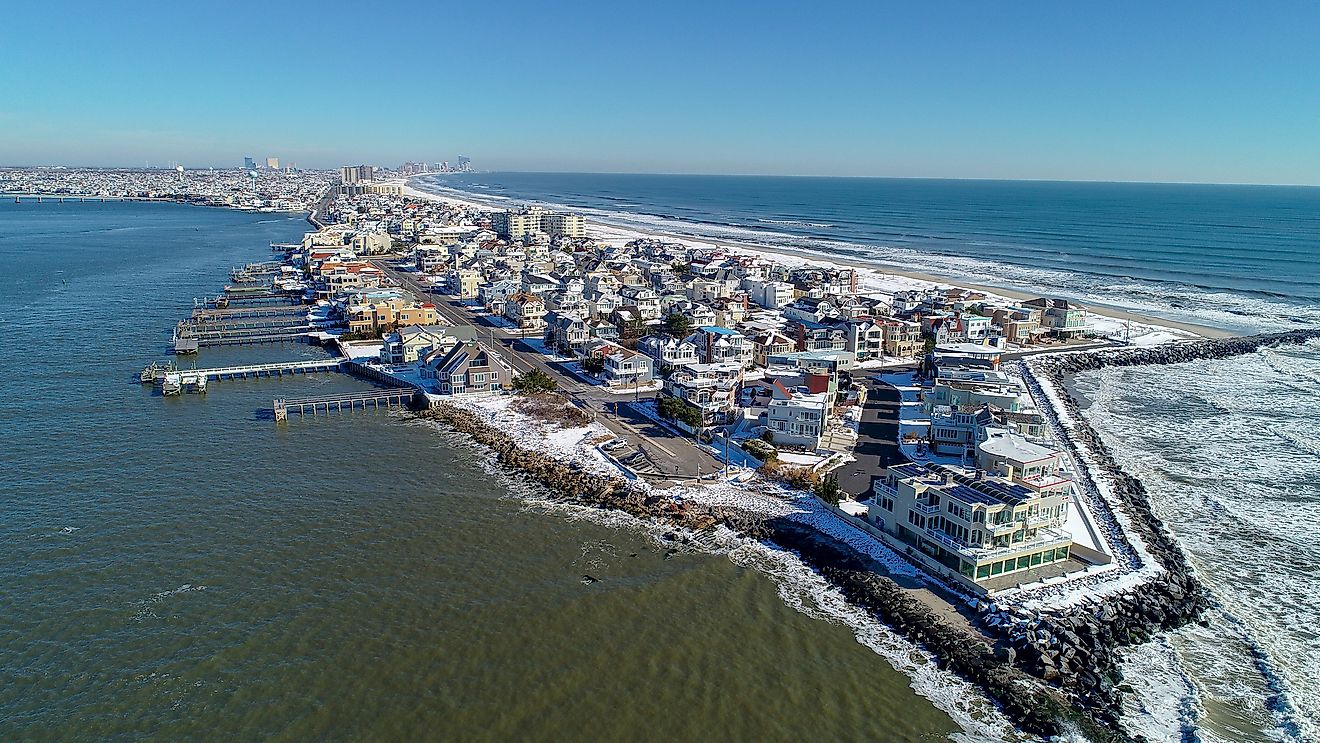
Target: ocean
(1230, 450)
(185, 569)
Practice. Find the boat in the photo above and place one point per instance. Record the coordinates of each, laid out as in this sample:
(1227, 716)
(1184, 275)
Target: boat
(155, 372)
(172, 384)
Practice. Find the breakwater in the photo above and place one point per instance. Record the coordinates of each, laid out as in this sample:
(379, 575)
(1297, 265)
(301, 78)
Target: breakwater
(1035, 707)
(1077, 647)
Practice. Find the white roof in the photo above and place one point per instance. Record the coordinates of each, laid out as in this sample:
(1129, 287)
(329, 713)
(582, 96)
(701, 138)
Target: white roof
(1014, 446)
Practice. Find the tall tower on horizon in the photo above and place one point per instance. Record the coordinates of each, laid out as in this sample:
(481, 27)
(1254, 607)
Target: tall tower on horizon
(273, 163)
(249, 163)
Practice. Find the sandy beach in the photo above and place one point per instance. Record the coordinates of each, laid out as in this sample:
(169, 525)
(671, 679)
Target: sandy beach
(1145, 329)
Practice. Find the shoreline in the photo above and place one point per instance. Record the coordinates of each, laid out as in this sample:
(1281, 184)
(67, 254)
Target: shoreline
(1186, 330)
(1073, 646)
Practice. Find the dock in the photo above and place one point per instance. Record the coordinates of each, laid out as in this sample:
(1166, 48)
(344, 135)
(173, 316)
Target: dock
(208, 314)
(349, 401)
(157, 374)
(240, 337)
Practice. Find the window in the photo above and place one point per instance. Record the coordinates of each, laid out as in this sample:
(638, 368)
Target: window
(1036, 559)
(1024, 562)
(982, 571)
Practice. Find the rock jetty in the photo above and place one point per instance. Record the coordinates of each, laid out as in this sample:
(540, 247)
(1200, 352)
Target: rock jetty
(1077, 648)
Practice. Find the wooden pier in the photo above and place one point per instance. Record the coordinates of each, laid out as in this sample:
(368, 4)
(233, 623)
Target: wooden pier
(157, 374)
(207, 314)
(241, 337)
(349, 401)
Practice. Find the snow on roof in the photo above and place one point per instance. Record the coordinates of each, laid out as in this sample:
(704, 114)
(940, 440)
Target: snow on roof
(1016, 447)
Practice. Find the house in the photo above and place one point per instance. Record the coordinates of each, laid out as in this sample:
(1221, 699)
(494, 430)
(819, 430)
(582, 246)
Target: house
(1013, 457)
(409, 343)
(971, 526)
(770, 343)
(769, 294)
(466, 368)
(624, 367)
(711, 388)
(972, 388)
(966, 355)
(1060, 316)
(865, 338)
(902, 339)
(668, 351)
(498, 292)
(716, 345)
(646, 302)
(567, 332)
(796, 416)
(526, 310)
(815, 337)
(463, 283)
(811, 310)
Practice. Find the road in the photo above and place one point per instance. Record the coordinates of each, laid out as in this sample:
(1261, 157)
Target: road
(668, 456)
(877, 438)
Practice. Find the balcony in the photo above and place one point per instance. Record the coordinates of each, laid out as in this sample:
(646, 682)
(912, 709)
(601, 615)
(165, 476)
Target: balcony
(925, 508)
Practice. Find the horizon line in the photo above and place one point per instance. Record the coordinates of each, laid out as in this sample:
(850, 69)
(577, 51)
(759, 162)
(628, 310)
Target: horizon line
(1000, 179)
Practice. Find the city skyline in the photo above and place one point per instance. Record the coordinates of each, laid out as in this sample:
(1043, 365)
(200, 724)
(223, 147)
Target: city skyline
(1178, 93)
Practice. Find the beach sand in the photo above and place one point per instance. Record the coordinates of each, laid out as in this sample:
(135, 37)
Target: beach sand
(1146, 329)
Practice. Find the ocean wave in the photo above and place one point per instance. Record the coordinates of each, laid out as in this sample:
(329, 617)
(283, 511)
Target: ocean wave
(1200, 436)
(796, 223)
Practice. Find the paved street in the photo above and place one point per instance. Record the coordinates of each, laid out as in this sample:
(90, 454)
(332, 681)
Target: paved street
(877, 438)
(669, 456)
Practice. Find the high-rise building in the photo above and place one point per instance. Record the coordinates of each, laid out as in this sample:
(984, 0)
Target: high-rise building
(273, 163)
(463, 163)
(249, 163)
(517, 225)
(356, 173)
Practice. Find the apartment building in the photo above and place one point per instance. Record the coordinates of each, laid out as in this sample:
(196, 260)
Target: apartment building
(377, 317)
(979, 526)
(535, 220)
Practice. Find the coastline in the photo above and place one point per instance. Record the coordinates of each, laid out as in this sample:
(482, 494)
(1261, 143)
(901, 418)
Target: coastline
(1121, 613)
(1165, 329)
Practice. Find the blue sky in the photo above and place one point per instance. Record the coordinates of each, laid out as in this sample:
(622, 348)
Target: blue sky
(1168, 91)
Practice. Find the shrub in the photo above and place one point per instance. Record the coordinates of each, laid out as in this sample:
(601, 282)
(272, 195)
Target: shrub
(761, 450)
(551, 408)
(534, 382)
(802, 478)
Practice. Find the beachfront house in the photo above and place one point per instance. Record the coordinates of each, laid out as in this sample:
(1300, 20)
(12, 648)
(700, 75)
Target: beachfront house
(969, 525)
(409, 343)
(466, 368)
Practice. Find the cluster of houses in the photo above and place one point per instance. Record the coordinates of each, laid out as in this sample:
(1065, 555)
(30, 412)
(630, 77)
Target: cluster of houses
(990, 500)
(750, 344)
